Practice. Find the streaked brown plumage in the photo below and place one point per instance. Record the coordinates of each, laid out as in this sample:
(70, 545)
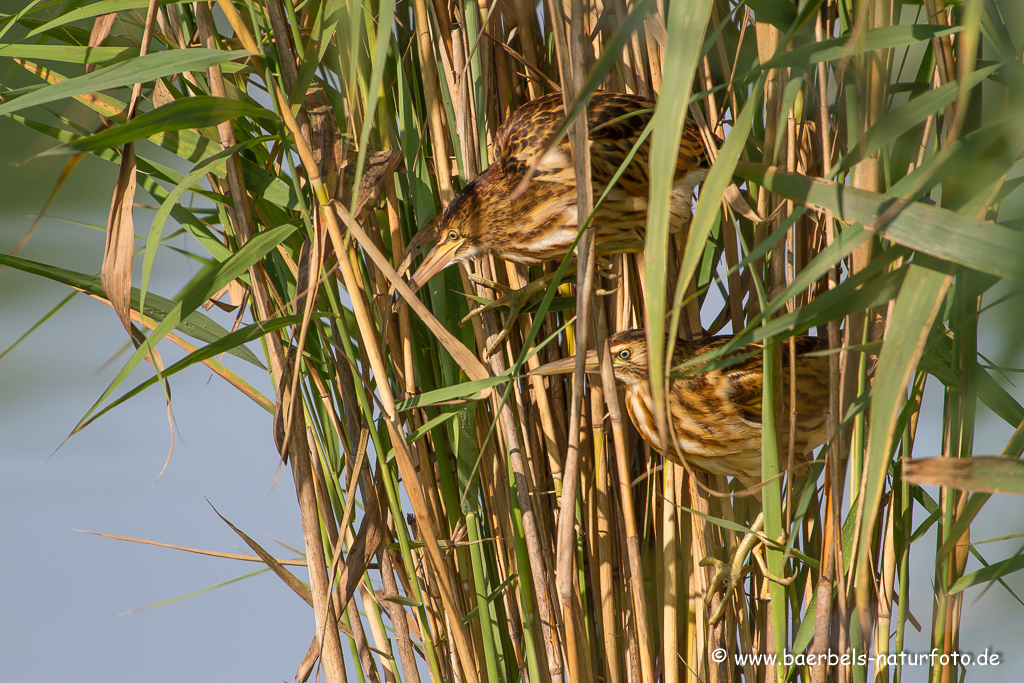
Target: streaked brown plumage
(541, 223)
(715, 416)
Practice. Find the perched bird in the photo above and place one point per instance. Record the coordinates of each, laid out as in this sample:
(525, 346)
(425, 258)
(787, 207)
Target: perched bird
(715, 414)
(493, 215)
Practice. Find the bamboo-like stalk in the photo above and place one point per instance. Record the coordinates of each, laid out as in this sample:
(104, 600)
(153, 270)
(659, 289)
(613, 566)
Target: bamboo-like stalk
(570, 61)
(326, 618)
(531, 499)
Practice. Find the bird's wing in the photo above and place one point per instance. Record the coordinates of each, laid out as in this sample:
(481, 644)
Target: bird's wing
(812, 375)
(522, 138)
(740, 385)
(615, 122)
(741, 391)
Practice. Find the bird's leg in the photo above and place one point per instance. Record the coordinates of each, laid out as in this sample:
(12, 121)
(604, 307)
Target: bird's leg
(604, 265)
(729, 575)
(515, 299)
(757, 553)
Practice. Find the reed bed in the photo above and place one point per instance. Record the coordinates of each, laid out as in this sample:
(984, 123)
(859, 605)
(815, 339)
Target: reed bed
(459, 523)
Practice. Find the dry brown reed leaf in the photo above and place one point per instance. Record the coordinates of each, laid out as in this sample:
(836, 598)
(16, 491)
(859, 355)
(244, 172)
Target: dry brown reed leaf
(197, 551)
(119, 251)
(981, 473)
(287, 409)
(289, 579)
(116, 271)
(100, 31)
(466, 359)
(308, 662)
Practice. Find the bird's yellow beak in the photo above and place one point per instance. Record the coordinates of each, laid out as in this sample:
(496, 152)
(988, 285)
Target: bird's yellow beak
(439, 258)
(567, 365)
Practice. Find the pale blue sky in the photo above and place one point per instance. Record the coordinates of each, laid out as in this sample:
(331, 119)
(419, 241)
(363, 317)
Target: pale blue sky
(64, 592)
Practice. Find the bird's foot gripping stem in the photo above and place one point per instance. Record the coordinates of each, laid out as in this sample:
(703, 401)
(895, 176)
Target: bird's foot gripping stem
(515, 299)
(729, 575)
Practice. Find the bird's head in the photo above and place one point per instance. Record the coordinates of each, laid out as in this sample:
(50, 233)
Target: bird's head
(629, 359)
(462, 232)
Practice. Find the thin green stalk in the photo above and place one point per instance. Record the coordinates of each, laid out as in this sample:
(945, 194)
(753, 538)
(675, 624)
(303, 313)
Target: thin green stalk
(771, 494)
(527, 593)
(393, 498)
(483, 590)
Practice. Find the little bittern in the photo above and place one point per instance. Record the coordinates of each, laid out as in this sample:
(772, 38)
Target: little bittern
(715, 415)
(540, 222)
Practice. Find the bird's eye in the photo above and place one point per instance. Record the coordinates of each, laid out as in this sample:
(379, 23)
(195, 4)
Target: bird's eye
(453, 235)
(624, 354)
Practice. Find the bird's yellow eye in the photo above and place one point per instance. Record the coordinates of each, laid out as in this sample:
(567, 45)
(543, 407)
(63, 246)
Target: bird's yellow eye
(453, 235)
(624, 354)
